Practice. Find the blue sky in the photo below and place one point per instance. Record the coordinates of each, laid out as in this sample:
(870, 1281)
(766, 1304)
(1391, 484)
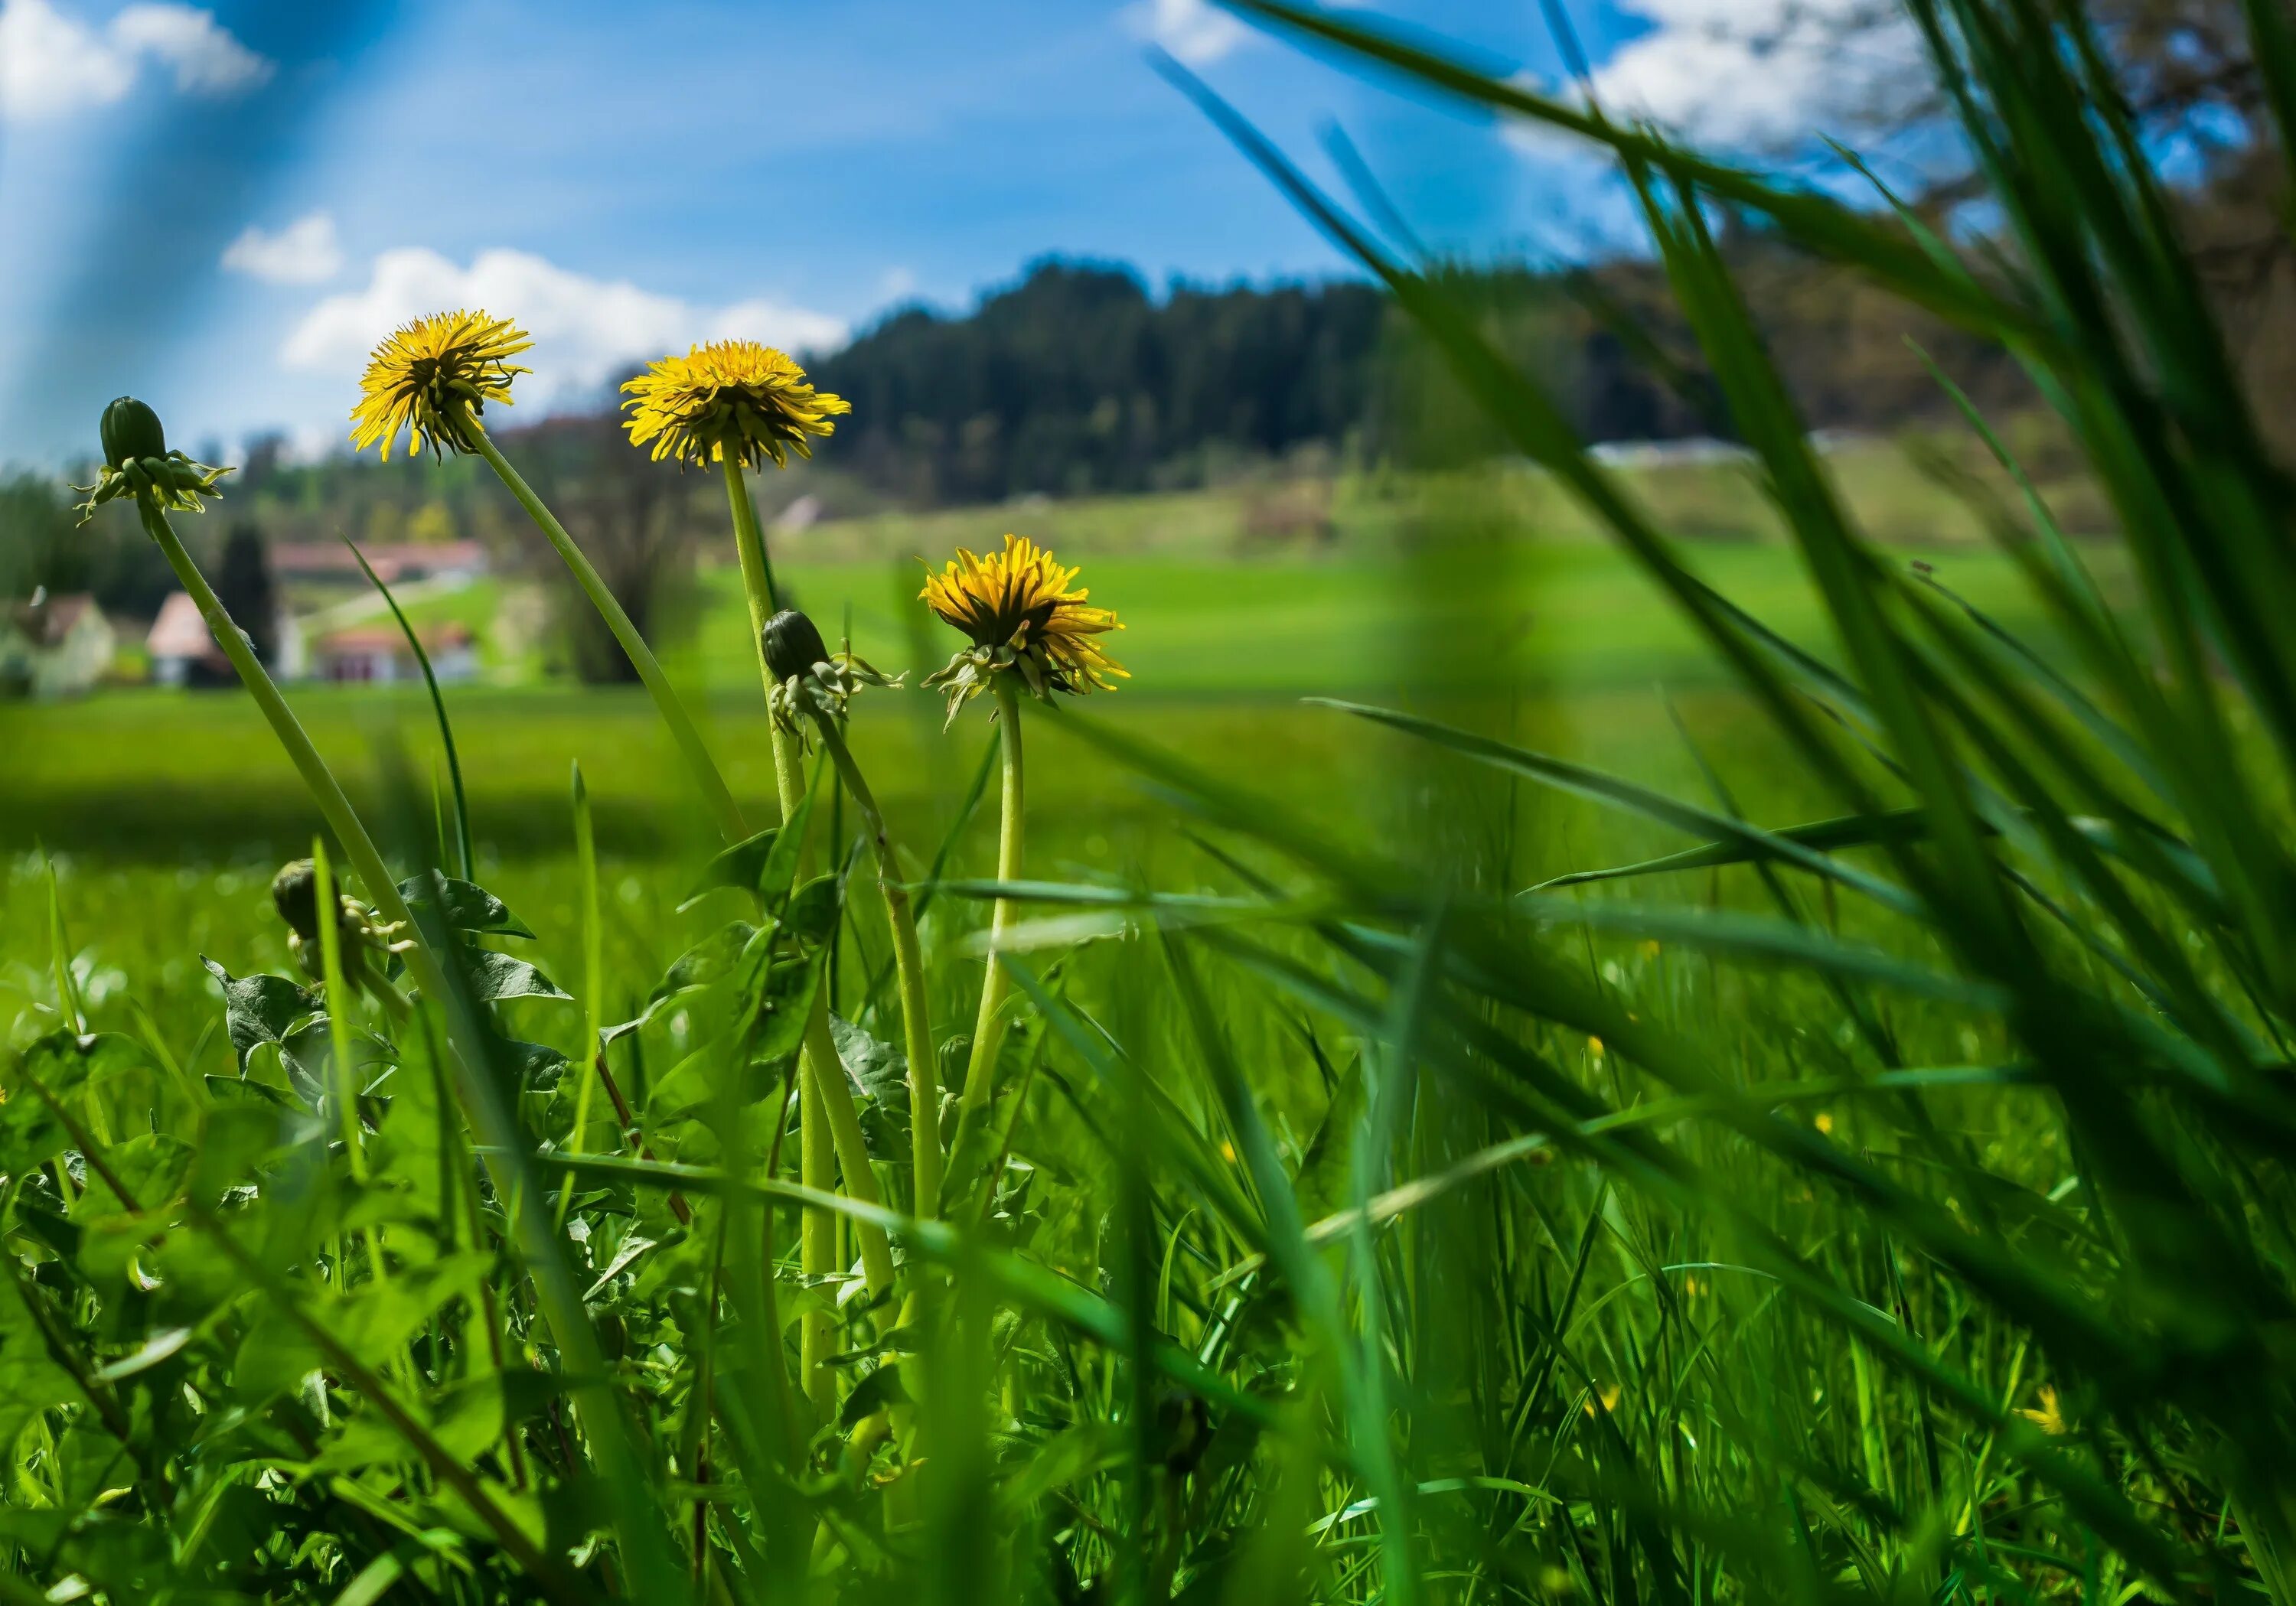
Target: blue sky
(219, 209)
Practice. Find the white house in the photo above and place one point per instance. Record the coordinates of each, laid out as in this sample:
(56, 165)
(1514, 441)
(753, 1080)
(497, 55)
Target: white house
(179, 643)
(181, 648)
(54, 646)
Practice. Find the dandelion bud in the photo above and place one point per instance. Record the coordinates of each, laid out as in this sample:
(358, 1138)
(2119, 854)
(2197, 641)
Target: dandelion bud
(792, 645)
(137, 464)
(810, 682)
(295, 894)
(130, 429)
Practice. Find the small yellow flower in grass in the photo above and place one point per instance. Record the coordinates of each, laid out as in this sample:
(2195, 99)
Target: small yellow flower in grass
(733, 396)
(1824, 1122)
(432, 378)
(1608, 1395)
(2050, 1418)
(1023, 616)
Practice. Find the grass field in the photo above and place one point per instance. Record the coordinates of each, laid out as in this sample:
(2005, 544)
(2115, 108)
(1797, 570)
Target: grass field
(1251, 1151)
(135, 791)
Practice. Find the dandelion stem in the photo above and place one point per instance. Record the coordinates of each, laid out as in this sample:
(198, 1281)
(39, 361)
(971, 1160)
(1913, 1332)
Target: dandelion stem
(332, 972)
(909, 965)
(558, 1295)
(706, 775)
(997, 986)
(757, 566)
(829, 1124)
(334, 808)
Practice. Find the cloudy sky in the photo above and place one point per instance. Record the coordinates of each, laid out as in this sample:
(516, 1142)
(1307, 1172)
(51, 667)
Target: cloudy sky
(221, 208)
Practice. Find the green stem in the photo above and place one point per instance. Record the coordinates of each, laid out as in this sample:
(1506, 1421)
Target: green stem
(757, 568)
(339, 1005)
(909, 965)
(817, 1237)
(843, 1118)
(645, 1546)
(463, 850)
(706, 775)
(827, 1124)
(997, 986)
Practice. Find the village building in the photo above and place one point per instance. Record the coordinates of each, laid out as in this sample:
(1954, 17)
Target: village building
(183, 653)
(448, 564)
(54, 646)
(379, 654)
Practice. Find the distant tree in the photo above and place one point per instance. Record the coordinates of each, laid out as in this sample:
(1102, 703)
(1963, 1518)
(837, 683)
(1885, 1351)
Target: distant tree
(34, 521)
(628, 513)
(243, 583)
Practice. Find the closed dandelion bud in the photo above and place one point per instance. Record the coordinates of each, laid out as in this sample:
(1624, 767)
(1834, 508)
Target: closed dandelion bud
(793, 644)
(138, 464)
(810, 682)
(130, 429)
(295, 894)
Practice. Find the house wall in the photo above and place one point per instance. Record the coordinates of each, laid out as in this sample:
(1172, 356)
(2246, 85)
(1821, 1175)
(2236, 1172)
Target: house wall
(66, 669)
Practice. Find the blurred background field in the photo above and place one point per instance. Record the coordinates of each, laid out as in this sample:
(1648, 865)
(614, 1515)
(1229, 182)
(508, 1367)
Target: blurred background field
(1477, 594)
(1882, 1212)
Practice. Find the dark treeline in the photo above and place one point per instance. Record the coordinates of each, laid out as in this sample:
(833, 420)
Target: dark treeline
(1076, 379)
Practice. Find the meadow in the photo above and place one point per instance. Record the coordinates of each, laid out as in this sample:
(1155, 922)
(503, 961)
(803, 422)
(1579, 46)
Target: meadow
(181, 803)
(1685, 1071)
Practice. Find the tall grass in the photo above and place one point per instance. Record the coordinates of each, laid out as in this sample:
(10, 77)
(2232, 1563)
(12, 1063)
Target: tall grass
(1888, 1207)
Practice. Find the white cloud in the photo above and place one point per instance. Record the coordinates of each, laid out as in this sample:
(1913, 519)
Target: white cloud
(207, 58)
(585, 331)
(304, 252)
(51, 64)
(1194, 30)
(1746, 73)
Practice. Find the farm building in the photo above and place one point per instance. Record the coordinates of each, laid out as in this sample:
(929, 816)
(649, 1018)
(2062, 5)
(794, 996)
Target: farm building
(179, 646)
(183, 654)
(380, 653)
(54, 646)
(449, 563)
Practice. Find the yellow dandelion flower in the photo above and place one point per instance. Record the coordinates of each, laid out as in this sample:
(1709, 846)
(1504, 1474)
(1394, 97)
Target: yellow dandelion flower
(1020, 609)
(1824, 1122)
(733, 395)
(431, 378)
(2050, 1418)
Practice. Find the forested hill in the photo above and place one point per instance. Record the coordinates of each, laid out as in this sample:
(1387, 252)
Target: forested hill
(1078, 379)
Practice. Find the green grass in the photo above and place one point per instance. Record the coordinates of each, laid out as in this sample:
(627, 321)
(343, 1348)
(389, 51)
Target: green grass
(1892, 1209)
